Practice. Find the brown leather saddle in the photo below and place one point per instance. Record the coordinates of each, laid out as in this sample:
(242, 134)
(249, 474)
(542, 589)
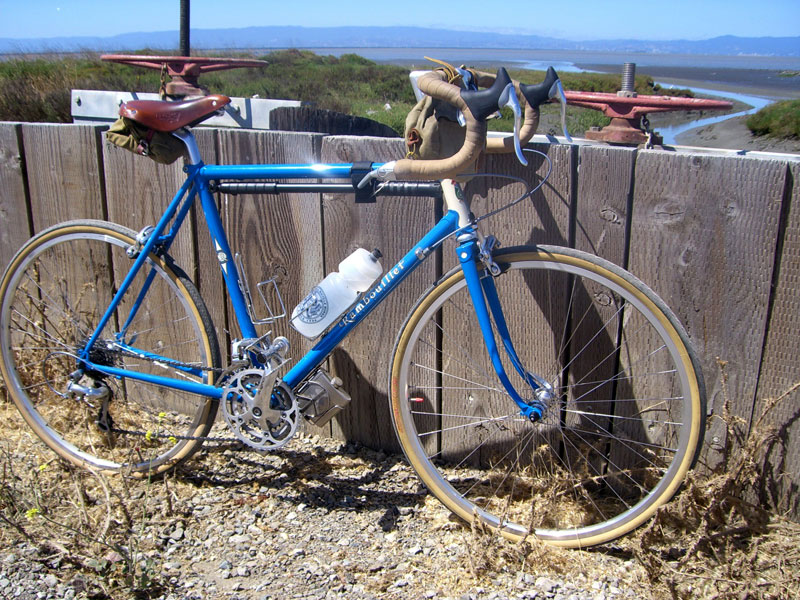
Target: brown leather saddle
(170, 116)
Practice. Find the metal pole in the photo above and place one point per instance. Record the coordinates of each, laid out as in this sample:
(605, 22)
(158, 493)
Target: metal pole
(185, 48)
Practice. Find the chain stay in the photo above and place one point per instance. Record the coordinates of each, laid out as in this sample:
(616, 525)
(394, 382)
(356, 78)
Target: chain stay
(174, 363)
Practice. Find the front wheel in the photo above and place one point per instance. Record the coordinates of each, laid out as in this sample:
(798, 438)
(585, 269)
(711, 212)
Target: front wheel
(621, 428)
(52, 297)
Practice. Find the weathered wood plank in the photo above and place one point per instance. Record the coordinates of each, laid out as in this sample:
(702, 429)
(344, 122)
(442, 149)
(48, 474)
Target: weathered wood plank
(13, 203)
(392, 225)
(604, 193)
(780, 374)
(278, 236)
(138, 191)
(605, 182)
(544, 219)
(703, 236)
(64, 178)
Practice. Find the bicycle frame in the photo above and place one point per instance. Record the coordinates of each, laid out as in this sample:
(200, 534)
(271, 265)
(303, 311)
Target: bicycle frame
(200, 177)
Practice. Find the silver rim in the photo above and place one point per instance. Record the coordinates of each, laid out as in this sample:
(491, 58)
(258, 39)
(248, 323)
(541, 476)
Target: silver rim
(598, 449)
(37, 354)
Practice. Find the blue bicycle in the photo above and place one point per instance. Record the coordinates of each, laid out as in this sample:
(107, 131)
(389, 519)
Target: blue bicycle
(536, 390)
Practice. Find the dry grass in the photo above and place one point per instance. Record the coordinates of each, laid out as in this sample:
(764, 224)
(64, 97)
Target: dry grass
(717, 539)
(713, 541)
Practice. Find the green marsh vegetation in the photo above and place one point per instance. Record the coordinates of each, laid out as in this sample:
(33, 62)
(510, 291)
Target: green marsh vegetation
(38, 89)
(780, 120)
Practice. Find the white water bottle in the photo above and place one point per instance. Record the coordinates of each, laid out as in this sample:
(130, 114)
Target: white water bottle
(336, 293)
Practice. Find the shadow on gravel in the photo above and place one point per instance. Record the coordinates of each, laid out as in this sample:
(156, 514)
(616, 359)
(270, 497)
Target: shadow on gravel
(349, 477)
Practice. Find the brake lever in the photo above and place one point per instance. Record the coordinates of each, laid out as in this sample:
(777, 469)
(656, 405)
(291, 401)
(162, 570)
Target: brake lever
(468, 83)
(557, 90)
(509, 98)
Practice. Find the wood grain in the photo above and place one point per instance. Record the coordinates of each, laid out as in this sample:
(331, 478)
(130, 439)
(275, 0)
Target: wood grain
(65, 177)
(393, 225)
(703, 236)
(778, 391)
(13, 203)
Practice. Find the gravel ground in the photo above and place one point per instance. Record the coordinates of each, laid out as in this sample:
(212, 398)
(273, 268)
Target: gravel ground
(319, 519)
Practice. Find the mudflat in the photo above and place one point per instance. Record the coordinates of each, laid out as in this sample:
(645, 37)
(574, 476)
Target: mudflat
(768, 83)
(731, 133)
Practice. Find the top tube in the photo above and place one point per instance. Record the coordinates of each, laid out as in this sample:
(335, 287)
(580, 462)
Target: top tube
(294, 171)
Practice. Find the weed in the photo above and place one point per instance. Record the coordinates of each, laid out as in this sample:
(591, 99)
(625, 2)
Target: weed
(780, 119)
(38, 90)
(716, 539)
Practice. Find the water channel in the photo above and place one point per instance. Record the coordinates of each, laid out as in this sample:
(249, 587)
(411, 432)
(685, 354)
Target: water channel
(755, 102)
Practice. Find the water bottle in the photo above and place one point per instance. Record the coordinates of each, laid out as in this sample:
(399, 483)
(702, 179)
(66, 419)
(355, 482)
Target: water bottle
(336, 293)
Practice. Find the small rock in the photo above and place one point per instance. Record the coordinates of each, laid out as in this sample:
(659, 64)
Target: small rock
(243, 571)
(545, 584)
(240, 540)
(225, 565)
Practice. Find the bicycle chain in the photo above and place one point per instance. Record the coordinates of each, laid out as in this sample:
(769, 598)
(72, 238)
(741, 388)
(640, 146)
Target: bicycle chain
(175, 363)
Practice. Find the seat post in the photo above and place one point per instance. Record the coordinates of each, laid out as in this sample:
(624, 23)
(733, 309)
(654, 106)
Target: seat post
(187, 137)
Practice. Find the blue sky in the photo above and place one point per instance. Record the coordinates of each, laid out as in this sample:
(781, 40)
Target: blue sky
(576, 20)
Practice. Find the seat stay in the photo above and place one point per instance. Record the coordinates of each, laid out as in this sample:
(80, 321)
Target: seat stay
(156, 244)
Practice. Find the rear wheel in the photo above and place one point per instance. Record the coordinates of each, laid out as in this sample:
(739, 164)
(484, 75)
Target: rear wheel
(53, 295)
(623, 426)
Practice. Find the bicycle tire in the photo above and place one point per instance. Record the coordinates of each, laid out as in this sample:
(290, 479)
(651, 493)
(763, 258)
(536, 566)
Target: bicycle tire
(623, 428)
(52, 296)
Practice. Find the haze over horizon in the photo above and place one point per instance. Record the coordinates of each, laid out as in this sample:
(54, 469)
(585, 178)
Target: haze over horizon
(578, 20)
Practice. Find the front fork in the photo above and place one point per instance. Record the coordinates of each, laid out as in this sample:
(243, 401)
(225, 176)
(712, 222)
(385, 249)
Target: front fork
(484, 296)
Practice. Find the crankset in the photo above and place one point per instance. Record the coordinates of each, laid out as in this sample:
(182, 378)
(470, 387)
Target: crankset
(260, 413)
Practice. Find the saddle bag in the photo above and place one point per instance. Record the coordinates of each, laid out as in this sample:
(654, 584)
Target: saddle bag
(431, 129)
(161, 147)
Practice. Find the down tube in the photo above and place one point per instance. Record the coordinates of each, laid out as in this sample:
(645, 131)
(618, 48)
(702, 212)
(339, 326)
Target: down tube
(393, 278)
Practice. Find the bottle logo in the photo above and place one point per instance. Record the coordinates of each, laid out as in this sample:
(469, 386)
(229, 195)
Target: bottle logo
(314, 307)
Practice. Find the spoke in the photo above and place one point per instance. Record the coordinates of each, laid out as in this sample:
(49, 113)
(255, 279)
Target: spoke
(475, 383)
(611, 436)
(46, 335)
(600, 331)
(616, 378)
(618, 417)
(53, 304)
(628, 369)
(469, 362)
(465, 425)
(598, 476)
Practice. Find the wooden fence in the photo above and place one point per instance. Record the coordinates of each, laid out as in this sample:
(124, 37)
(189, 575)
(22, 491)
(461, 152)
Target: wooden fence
(717, 236)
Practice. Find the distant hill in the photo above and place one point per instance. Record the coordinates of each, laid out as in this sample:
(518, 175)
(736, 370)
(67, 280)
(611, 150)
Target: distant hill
(398, 37)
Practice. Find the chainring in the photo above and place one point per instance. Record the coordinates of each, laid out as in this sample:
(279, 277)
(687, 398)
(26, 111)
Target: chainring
(263, 421)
